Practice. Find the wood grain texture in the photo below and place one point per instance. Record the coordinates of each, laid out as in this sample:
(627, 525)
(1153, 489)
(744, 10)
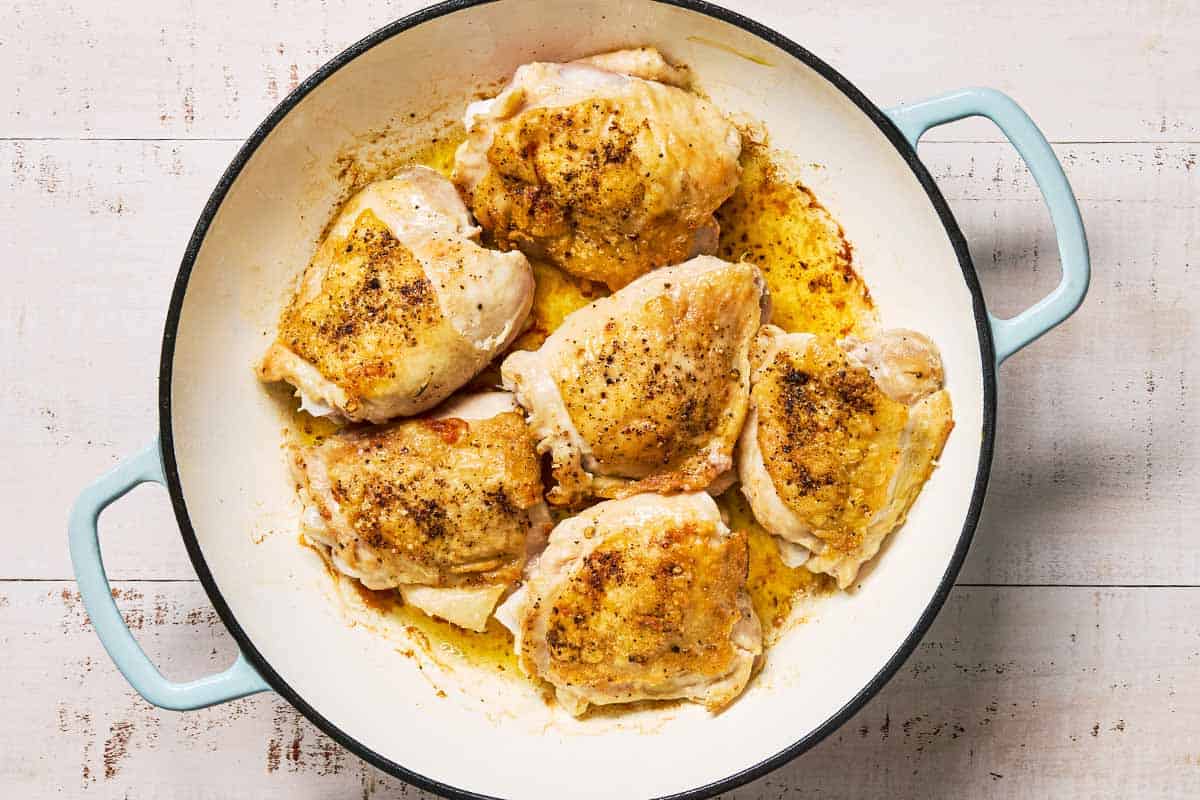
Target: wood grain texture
(94, 234)
(1001, 700)
(1075, 677)
(1097, 448)
(183, 69)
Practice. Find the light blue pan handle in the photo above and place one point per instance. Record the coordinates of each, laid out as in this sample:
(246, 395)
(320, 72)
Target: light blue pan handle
(1010, 335)
(237, 681)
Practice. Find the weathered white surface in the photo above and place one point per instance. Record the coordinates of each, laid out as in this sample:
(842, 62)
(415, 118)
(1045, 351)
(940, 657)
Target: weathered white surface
(1099, 444)
(1016, 692)
(179, 68)
(1019, 691)
(94, 232)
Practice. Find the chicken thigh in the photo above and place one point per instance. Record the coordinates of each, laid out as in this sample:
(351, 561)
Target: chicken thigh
(647, 389)
(641, 598)
(446, 508)
(840, 438)
(605, 166)
(399, 306)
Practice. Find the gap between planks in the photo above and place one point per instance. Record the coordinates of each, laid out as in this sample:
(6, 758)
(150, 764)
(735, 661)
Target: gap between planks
(4, 580)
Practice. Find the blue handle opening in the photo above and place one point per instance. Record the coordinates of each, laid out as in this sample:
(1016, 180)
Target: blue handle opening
(1010, 335)
(239, 680)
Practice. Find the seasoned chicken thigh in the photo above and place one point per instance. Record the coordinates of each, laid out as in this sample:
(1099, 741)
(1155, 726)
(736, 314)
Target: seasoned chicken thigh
(446, 507)
(647, 389)
(840, 438)
(399, 306)
(605, 166)
(641, 598)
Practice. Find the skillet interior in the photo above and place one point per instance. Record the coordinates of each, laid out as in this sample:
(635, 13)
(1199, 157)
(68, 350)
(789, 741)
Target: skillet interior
(235, 502)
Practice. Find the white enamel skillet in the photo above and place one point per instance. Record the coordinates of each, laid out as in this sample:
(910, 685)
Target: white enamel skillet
(218, 450)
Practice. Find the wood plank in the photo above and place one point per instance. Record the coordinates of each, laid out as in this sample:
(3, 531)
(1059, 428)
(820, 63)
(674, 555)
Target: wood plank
(1001, 700)
(95, 231)
(181, 69)
(1097, 446)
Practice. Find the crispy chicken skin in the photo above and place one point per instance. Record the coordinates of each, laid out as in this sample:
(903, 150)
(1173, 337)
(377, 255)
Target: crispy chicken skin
(641, 598)
(445, 508)
(399, 306)
(645, 390)
(840, 439)
(604, 166)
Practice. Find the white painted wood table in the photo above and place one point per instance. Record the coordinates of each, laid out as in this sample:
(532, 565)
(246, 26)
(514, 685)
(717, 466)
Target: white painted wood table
(1067, 660)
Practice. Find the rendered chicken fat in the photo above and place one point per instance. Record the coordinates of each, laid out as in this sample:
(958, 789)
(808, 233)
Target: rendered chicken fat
(638, 408)
(399, 306)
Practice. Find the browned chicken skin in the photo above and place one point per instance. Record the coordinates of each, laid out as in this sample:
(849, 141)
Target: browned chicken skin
(642, 598)
(399, 306)
(840, 440)
(599, 166)
(446, 502)
(645, 390)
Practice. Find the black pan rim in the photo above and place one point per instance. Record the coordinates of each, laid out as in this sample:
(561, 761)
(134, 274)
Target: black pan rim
(983, 328)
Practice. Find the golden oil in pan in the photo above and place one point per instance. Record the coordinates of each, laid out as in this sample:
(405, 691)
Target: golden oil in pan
(772, 221)
(775, 222)
(774, 586)
(438, 154)
(556, 294)
(493, 648)
(308, 430)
